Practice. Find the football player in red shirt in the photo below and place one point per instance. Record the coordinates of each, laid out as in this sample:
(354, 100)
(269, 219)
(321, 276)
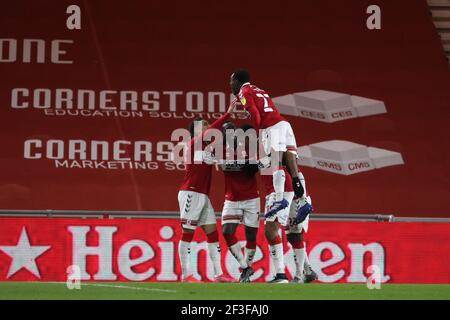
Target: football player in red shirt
(277, 137)
(193, 198)
(242, 203)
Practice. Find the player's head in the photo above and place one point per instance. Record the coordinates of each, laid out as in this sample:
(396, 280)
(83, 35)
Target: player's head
(227, 126)
(237, 79)
(197, 126)
(246, 127)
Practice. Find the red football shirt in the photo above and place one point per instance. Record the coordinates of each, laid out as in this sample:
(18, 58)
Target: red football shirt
(260, 106)
(238, 185)
(197, 176)
(267, 181)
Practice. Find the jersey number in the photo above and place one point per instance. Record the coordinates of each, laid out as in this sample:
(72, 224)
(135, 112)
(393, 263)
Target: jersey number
(266, 101)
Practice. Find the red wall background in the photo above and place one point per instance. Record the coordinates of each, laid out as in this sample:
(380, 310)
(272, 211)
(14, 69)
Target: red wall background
(194, 46)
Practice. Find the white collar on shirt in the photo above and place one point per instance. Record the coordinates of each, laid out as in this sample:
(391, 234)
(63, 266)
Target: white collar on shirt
(245, 84)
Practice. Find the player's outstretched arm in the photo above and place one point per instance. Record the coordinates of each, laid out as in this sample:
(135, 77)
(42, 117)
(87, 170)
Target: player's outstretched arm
(219, 122)
(215, 125)
(232, 106)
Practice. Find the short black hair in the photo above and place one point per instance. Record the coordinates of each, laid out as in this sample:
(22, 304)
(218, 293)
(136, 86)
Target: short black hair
(228, 123)
(192, 125)
(241, 75)
(246, 127)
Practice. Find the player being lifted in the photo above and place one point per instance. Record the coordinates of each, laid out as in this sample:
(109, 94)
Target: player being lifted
(242, 203)
(278, 140)
(193, 198)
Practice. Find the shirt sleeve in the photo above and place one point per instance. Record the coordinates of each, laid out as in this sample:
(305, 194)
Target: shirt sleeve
(249, 104)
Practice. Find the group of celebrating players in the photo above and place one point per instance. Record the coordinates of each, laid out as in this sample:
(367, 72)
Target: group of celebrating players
(286, 204)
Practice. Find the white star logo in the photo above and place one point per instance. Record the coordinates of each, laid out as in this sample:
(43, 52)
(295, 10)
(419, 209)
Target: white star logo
(24, 255)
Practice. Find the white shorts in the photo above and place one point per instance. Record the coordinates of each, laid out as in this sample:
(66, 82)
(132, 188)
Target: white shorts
(282, 215)
(195, 209)
(279, 137)
(245, 212)
(299, 228)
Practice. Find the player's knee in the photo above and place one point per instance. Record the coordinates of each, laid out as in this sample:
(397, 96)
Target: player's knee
(251, 233)
(187, 235)
(188, 231)
(276, 157)
(270, 232)
(228, 228)
(293, 238)
(212, 237)
(209, 228)
(290, 161)
(290, 155)
(300, 235)
(230, 239)
(266, 233)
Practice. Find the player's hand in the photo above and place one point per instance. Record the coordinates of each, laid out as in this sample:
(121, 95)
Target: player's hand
(298, 188)
(232, 106)
(264, 162)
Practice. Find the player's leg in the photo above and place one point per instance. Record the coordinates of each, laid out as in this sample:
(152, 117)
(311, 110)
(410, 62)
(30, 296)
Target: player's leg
(290, 160)
(275, 145)
(250, 246)
(236, 250)
(278, 176)
(288, 144)
(184, 253)
(305, 205)
(278, 146)
(190, 208)
(229, 233)
(271, 231)
(251, 222)
(207, 222)
(231, 218)
(251, 209)
(295, 235)
(298, 181)
(212, 238)
(298, 246)
(310, 274)
(278, 180)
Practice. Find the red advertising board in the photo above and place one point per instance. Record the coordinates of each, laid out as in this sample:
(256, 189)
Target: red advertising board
(42, 249)
(86, 115)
